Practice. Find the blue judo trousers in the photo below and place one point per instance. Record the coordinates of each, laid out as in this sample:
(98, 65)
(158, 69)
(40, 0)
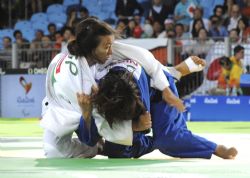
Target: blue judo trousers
(170, 133)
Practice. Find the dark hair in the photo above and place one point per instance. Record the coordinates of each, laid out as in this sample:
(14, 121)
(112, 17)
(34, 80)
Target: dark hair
(117, 96)
(87, 35)
(213, 16)
(179, 24)
(59, 32)
(16, 32)
(125, 21)
(203, 28)
(40, 31)
(66, 28)
(84, 9)
(218, 21)
(200, 9)
(225, 5)
(219, 7)
(194, 32)
(7, 37)
(238, 48)
(244, 20)
(225, 61)
(236, 30)
(51, 25)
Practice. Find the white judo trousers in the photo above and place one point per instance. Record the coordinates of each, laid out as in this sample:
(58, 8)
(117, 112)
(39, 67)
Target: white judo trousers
(60, 118)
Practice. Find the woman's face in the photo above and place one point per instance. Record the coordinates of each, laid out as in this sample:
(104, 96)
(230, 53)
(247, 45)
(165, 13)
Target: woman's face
(202, 34)
(241, 25)
(198, 25)
(157, 27)
(67, 35)
(219, 12)
(104, 49)
(131, 24)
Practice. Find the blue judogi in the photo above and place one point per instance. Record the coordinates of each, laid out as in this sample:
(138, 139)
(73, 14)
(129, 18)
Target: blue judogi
(141, 145)
(170, 133)
(88, 136)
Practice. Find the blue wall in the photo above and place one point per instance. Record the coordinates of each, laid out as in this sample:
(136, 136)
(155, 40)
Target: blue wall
(220, 108)
(21, 96)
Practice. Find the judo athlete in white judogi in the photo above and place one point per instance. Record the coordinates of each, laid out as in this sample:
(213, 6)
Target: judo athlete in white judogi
(170, 133)
(68, 75)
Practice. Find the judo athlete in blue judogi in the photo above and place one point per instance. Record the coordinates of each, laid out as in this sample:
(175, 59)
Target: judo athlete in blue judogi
(125, 94)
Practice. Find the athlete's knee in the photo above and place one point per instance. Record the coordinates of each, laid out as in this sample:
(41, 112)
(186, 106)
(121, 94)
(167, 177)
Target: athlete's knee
(51, 151)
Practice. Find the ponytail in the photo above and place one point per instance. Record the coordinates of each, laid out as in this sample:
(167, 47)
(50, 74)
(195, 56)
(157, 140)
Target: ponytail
(73, 48)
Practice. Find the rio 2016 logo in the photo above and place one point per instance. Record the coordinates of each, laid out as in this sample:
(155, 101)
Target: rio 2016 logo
(25, 85)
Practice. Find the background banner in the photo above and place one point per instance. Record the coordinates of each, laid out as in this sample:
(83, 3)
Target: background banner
(220, 108)
(22, 95)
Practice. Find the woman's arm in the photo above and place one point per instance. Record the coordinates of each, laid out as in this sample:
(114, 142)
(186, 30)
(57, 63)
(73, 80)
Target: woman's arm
(145, 58)
(152, 67)
(85, 104)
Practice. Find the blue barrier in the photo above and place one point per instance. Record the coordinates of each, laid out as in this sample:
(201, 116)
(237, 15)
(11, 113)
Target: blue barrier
(245, 84)
(220, 108)
(21, 96)
(245, 80)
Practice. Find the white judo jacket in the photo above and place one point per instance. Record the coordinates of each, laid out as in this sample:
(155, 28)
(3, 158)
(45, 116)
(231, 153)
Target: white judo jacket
(67, 75)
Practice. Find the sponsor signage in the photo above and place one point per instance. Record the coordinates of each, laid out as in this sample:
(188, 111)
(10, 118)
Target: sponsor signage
(21, 95)
(220, 108)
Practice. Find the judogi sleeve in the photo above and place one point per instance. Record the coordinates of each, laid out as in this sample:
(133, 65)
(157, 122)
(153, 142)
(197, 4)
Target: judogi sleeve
(87, 135)
(152, 67)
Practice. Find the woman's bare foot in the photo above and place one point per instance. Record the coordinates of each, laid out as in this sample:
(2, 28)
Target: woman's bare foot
(225, 153)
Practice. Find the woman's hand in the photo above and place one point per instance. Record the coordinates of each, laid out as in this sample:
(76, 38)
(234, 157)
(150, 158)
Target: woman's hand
(190, 65)
(198, 61)
(85, 103)
(143, 123)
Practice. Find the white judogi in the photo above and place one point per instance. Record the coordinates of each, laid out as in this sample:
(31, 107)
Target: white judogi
(62, 115)
(66, 76)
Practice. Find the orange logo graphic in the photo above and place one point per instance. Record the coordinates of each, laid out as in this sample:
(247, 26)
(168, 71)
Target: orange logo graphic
(25, 85)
